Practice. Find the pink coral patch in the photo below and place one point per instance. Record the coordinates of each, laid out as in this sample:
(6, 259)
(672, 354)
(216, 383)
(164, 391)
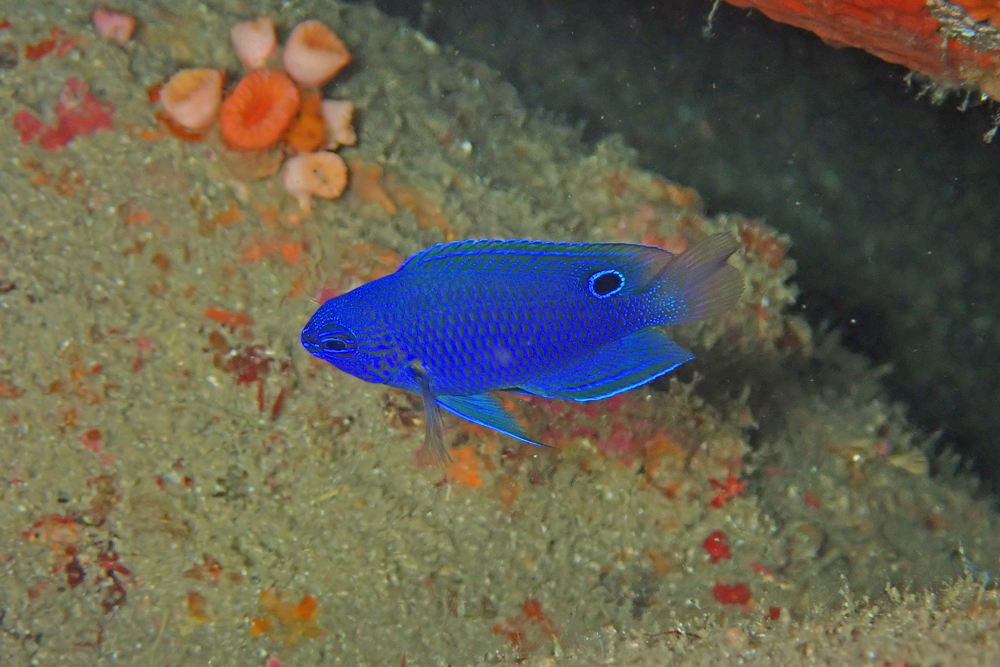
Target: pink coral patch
(27, 126)
(78, 112)
(91, 440)
(116, 26)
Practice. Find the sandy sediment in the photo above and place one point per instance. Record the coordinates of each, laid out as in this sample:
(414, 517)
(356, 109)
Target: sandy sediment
(183, 484)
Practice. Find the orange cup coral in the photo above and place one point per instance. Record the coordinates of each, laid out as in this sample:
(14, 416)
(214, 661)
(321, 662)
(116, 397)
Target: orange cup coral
(323, 174)
(256, 113)
(308, 132)
(313, 54)
(254, 41)
(191, 97)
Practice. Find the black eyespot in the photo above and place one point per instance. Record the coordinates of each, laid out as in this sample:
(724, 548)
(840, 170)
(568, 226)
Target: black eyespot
(335, 345)
(606, 283)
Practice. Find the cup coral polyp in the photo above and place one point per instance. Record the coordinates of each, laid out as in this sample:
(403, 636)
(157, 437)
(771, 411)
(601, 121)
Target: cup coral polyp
(267, 109)
(116, 26)
(191, 97)
(338, 115)
(313, 54)
(259, 109)
(323, 174)
(254, 41)
(308, 132)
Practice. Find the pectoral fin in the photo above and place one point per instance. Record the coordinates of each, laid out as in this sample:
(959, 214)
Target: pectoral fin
(486, 410)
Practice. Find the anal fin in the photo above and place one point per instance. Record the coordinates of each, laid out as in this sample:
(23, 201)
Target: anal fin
(616, 367)
(486, 410)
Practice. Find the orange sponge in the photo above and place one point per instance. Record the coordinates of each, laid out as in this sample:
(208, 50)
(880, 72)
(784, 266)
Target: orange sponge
(934, 38)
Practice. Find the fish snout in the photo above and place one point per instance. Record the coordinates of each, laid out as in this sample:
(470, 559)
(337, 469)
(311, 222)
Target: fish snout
(330, 343)
(310, 341)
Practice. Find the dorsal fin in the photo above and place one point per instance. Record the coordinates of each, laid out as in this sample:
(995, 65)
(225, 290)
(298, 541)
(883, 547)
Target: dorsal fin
(642, 262)
(493, 246)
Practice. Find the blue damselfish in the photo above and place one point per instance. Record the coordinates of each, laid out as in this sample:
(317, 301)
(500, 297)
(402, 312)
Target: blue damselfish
(577, 321)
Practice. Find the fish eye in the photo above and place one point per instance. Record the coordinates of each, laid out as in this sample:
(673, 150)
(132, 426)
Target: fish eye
(606, 283)
(341, 343)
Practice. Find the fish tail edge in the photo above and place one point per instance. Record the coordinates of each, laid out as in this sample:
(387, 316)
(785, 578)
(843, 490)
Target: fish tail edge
(700, 280)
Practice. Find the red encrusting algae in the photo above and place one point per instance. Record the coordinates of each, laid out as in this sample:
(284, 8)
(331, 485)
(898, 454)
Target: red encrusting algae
(232, 320)
(9, 391)
(297, 621)
(738, 594)
(728, 490)
(529, 629)
(464, 468)
(56, 42)
(717, 546)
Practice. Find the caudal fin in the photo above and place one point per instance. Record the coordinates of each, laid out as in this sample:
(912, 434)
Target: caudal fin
(698, 283)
